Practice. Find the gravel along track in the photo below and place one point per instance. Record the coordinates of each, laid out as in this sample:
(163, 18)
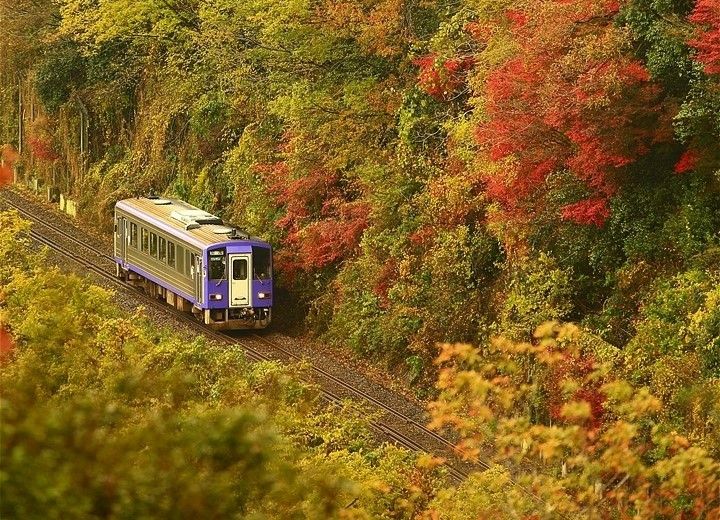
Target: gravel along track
(398, 419)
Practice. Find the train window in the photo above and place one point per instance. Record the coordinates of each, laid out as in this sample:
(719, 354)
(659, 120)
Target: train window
(188, 262)
(153, 244)
(180, 254)
(133, 235)
(171, 254)
(162, 249)
(144, 240)
(217, 264)
(262, 263)
(240, 269)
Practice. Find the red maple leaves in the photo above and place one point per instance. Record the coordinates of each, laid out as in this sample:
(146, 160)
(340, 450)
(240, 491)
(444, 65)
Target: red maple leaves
(589, 212)
(442, 78)
(687, 162)
(7, 346)
(9, 157)
(573, 97)
(579, 370)
(567, 100)
(707, 16)
(42, 149)
(322, 225)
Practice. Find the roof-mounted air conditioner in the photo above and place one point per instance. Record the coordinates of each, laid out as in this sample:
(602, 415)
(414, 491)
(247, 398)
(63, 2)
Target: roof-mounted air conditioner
(195, 216)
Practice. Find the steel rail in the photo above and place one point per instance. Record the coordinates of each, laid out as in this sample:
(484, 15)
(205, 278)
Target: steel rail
(457, 473)
(254, 354)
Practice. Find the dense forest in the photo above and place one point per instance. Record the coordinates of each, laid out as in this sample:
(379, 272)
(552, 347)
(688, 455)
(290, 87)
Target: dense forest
(105, 416)
(440, 172)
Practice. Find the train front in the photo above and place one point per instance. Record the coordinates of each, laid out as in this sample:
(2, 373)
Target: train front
(239, 286)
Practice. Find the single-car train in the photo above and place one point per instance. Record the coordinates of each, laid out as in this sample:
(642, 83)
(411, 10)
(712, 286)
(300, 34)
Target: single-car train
(194, 261)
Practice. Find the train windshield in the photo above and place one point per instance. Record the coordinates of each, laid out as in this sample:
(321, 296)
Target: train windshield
(217, 264)
(262, 263)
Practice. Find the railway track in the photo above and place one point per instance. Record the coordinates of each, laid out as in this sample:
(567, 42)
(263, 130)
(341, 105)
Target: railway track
(412, 440)
(457, 469)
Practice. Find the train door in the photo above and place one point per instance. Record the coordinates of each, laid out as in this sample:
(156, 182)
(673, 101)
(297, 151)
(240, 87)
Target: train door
(198, 273)
(239, 280)
(120, 234)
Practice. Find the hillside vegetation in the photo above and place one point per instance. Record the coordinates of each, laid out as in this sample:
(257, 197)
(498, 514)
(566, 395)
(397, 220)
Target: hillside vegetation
(433, 171)
(104, 416)
(436, 172)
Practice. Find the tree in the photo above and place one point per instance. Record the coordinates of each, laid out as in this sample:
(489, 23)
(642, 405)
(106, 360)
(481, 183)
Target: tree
(576, 438)
(706, 16)
(572, 96)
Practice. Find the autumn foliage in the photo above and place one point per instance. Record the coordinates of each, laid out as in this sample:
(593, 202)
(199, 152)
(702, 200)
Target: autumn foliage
(588, 438)
(7, 344)
(706, 16)
(438, 172)
(322, 226)
(42, 149)
(9, 157)
(573, 97)
(440, 78)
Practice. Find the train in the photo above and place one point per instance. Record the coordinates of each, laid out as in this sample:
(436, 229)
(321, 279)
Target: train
(194, 261)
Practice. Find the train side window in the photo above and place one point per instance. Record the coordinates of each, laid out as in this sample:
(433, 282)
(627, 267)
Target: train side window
(171, 254)
(133, 235)
(162, 249)
(188, 262)
(153, 244)
(180, 259)
(144, 240)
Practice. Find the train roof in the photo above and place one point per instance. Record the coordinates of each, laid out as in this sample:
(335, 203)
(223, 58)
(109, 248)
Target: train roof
(183, 220)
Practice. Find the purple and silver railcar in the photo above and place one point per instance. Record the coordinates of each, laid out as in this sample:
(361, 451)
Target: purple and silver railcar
(194, 261)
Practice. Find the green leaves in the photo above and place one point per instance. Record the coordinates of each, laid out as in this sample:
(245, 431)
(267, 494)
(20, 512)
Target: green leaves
(104, 415)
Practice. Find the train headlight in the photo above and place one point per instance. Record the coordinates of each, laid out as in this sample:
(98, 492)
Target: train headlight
(216, 296)
(263, 295)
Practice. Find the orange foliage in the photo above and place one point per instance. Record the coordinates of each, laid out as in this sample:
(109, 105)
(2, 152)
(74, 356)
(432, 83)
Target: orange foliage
(593, 455)
(6, 344)
(379, 27)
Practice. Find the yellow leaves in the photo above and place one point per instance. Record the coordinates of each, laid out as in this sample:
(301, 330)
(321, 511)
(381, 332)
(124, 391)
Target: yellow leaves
(469, 449)
(502, 344)
(380, 486)
(549, 449)
(480, 411)
(569, 386)
(546, 331)
(457, 352)
(679, 442)
(617, 390)
(641, 405)
(594, 453)
(576, 411)
(427, 461)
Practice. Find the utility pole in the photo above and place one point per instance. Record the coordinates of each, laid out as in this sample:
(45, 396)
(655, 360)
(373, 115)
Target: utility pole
(20, 117)
(84, 138)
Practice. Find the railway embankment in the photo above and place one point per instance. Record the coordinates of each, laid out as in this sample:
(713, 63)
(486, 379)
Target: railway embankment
(75, 248)
(105, 411)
